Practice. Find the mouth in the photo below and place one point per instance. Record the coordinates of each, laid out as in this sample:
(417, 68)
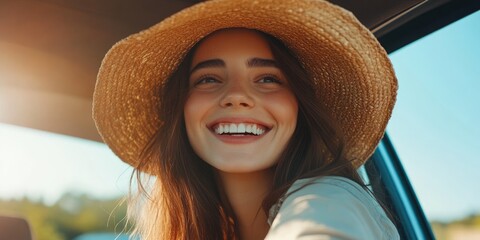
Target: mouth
(239, 129)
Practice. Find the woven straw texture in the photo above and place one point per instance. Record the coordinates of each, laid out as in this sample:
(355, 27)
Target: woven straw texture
(351, 71)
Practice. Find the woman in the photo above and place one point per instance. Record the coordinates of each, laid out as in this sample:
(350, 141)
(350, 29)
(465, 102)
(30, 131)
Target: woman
(254, 117)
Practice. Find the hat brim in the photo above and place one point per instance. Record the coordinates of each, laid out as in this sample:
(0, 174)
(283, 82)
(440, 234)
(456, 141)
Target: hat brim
(350, 69)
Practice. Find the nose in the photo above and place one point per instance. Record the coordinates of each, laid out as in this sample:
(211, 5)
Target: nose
(237, 95)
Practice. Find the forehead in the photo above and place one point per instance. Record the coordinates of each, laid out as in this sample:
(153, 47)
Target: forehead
(232, 43)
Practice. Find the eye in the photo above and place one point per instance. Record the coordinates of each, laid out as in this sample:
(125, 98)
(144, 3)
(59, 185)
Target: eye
(206, 81)
(269, 79)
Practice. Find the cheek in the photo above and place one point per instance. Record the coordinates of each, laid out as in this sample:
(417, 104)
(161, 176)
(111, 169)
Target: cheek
(188, 109)
(285, 108)
(195, 109)
(191, 112)
(192, 117)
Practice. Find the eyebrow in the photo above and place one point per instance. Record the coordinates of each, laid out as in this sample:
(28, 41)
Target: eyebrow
(261, 62)
(252, 62)
(209, 63)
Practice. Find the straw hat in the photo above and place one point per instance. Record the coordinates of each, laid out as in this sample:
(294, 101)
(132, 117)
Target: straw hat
(352, 71)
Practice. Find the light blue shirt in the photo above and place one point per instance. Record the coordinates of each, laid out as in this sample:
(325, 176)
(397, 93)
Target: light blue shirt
(329, 208)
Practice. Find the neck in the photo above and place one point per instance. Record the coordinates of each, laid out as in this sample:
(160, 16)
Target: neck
(245, 193)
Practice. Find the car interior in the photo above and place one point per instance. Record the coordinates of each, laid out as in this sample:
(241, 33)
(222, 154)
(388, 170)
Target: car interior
(50, 51)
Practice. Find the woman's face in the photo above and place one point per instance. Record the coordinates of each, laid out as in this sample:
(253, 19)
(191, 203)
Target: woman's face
(240, 112)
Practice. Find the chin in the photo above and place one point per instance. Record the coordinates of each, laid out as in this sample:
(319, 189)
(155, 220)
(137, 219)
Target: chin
(242, 166)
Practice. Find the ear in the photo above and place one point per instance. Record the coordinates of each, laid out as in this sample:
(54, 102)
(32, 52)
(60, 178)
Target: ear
(14, 228)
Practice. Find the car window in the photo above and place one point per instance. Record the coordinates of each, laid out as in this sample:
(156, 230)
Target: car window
(434, 126)
(64, 186)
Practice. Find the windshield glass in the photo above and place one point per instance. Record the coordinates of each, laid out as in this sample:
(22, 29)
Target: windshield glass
(435, 125)
(64, 186)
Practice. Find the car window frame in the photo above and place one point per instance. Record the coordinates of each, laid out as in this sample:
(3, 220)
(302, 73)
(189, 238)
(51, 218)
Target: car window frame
(384, 169)
(391, 185)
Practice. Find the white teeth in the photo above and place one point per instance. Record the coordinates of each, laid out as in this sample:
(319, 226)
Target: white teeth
(233, 128)
(258, 131)
(239, 128)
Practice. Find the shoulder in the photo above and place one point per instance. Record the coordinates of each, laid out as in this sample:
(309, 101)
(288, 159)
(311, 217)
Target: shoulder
(333, 207)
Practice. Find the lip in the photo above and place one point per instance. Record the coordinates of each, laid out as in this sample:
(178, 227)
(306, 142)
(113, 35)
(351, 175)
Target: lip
(238, 139)
(232, 139)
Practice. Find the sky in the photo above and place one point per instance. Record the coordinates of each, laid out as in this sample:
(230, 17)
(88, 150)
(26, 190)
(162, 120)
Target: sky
(44, 165)
(434, 128)
(435, 124)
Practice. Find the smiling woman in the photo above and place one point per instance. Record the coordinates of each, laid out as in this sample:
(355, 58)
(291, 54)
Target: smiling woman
(251, 132)
(50, 51)
(239, 93)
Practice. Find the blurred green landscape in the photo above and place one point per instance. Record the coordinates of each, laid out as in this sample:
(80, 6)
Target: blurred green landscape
(71, 216)
(76, 214)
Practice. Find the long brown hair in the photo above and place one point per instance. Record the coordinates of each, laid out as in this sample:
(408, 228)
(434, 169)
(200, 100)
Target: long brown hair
(185, 200)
